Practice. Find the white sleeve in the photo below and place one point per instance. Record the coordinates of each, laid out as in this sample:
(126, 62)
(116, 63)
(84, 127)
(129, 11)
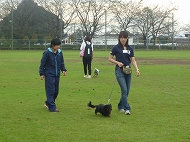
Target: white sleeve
(92, 47)
(82, 46)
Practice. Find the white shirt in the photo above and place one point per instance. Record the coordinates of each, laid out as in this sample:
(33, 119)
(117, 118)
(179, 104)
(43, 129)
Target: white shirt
(83, 45)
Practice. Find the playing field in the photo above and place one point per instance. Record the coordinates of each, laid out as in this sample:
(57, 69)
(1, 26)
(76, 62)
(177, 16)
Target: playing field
(160, 100)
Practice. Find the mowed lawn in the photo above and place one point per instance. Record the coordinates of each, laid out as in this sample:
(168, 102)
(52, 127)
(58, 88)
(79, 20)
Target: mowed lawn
(160, 100)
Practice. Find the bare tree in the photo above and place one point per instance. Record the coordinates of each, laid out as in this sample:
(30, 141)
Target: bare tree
(64, 10)
(159, 18)
(7, 6)
(7, 9)
(141, 22)
(125, 12)
(2, 10)
(186, 27)
(29, 20)
(151, 21)
(90, 14)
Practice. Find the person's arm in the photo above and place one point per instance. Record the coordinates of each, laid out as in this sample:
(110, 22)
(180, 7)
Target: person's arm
(42, 66)
(63, 69)
(82, 46)
(133, 61)
(112, 60)
(92, 51)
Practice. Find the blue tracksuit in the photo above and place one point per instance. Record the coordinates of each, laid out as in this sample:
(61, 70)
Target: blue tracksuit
(50, 67)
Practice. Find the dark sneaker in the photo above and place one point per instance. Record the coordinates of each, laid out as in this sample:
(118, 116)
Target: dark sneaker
(56, 110)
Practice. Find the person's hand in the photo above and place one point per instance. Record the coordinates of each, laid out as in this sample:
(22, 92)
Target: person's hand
(120, 64)
(138, 73)
(42, 77)
(64, 73)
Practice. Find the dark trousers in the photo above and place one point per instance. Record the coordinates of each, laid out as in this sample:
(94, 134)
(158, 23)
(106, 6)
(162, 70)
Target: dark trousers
(87, 62)
(52, 90)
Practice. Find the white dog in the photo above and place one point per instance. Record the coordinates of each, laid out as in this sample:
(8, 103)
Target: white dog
(96, 72)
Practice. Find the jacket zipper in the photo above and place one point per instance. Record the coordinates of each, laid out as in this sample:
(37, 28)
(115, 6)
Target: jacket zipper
(56, 65)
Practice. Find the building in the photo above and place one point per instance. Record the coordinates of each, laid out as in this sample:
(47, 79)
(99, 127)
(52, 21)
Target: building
(112, 39)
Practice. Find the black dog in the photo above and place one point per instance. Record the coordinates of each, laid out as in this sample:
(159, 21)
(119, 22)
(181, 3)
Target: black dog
(105, 110)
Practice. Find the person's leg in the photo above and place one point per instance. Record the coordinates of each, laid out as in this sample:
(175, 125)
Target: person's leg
(89, 66)
(85, 66)
(50, 91)
(123, 104)
(120, 105)
(56, 87)
(128, 82)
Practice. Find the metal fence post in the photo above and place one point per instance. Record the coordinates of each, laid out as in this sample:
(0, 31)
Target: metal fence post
(29, 44)
(45, 45)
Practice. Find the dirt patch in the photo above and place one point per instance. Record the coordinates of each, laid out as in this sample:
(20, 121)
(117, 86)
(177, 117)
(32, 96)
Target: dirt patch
(145, 61)
(140, 61)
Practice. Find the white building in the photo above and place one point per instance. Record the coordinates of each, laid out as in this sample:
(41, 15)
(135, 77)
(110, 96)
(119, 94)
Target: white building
(111, 40)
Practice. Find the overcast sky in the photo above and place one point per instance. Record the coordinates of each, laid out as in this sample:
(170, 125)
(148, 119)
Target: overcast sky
(182, 14)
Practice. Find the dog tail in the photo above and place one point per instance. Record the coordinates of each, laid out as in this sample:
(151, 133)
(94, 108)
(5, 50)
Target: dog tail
(90, 105)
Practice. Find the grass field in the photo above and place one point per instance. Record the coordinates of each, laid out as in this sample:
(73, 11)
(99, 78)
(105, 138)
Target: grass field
(160, 100)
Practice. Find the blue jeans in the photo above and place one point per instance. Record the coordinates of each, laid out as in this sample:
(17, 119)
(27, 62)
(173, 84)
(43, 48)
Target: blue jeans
(124, 81)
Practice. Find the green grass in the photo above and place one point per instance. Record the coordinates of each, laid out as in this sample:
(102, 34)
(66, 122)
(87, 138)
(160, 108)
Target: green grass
(159, 99)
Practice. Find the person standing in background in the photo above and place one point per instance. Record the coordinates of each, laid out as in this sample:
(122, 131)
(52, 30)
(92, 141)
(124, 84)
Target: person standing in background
(87, 47)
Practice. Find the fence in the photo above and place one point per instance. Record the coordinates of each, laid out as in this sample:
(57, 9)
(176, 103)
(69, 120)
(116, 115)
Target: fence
(33, 44)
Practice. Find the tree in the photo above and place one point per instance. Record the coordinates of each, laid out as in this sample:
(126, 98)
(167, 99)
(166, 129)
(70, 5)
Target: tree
(63, 9)
(6, 7)
(186, 27)
(141, 22)
(159, 20)
(151, 21)
(125, 12)
(90, 14)
(29, 20)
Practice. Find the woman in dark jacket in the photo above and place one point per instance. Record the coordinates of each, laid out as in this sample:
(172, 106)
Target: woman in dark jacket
(124, 57)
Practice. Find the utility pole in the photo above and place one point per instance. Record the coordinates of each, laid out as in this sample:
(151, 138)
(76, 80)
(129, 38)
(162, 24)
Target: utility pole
(134, 36)
(172, 31)
(75, 34)
(105, 29)
(147, 31)
(61, 26)
(12, 27)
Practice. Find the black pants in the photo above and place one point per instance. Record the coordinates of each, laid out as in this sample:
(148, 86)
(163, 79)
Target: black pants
(87, 62)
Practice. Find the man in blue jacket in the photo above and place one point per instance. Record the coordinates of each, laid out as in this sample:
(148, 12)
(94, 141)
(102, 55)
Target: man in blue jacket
(52, 63)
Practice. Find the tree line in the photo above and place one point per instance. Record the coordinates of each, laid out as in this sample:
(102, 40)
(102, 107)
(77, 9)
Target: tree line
(39, 19)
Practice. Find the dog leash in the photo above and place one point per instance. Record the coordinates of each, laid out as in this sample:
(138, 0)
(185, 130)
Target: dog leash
(111, 92)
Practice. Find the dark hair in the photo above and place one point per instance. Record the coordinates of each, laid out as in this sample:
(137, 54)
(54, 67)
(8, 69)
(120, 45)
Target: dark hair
(123, 34)
(87, 38)
(55, 41)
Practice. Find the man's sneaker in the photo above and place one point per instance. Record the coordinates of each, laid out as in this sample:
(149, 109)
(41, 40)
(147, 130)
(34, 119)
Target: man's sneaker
(85, 76)
(127, 112)
(122, 110)
(89, 76)
(46, 106)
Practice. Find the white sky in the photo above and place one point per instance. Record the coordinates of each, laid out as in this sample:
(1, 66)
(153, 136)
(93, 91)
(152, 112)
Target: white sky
(183, 12)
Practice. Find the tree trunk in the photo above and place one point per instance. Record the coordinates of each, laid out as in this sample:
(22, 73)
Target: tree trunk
(154, 41)
(144, 39)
